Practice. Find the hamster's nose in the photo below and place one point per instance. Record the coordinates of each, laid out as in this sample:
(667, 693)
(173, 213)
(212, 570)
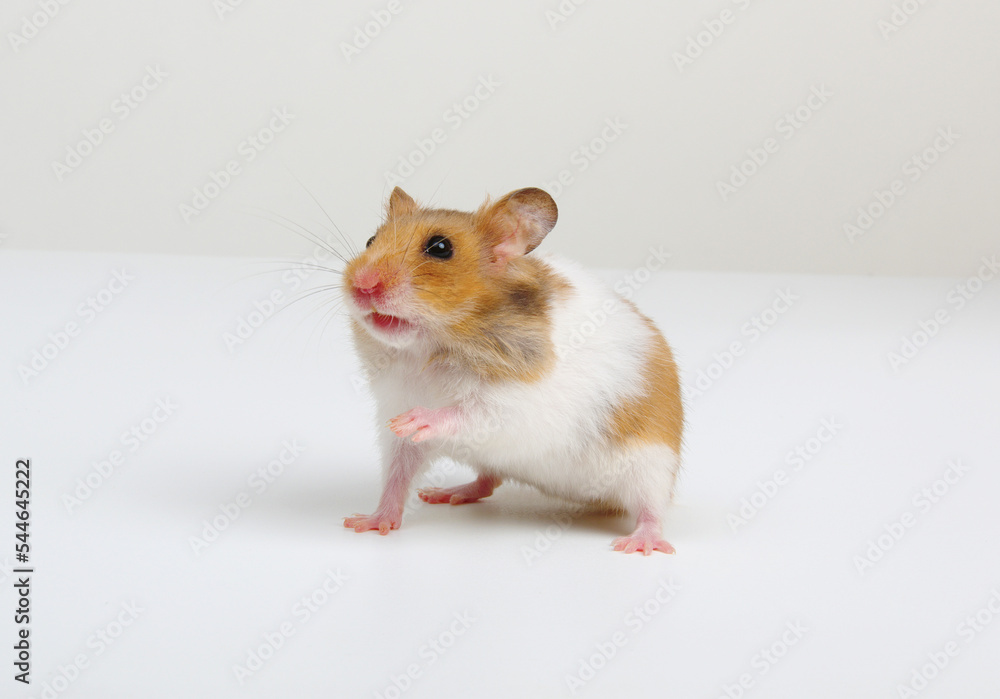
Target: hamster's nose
(367, 281)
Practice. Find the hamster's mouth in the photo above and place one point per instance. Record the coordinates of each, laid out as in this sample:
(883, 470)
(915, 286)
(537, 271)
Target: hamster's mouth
(389, 324)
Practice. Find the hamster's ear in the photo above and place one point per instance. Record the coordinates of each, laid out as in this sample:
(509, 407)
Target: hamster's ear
(516, 224)
(400, 204)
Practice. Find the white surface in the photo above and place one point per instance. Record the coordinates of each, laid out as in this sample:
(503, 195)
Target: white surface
(794, 562)
(554, 85)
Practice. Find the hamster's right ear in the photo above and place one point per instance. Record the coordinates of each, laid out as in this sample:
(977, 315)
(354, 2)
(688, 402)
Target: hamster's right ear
(517, 223)
(400, 204)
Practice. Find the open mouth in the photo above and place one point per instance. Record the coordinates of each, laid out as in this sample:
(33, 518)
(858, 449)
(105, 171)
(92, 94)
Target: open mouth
(388, 323)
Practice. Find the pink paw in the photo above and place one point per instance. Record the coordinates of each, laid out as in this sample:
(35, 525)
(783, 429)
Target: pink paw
(364, 523)
(454, 496)
(422, 424)
(642, 543)
(478, 489)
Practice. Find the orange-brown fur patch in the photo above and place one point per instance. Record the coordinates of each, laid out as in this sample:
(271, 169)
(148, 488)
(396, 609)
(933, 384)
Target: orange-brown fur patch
(495, 324)
(656, 416)
(507, 335)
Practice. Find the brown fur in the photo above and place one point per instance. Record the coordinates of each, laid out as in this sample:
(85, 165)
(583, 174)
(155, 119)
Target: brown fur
(657, 415)
(507, 334)
(494, 312)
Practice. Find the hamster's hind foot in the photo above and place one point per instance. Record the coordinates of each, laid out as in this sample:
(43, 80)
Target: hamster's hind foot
(646, 537)
(478, 489)
(641, 543)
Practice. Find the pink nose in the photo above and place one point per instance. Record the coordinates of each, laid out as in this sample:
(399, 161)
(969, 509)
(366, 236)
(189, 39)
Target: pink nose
(367, 281)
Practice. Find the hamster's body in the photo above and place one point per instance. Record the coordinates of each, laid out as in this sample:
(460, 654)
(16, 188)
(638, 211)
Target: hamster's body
(543, 375)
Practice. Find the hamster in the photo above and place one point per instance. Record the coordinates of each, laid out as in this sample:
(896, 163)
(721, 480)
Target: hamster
(525, 367)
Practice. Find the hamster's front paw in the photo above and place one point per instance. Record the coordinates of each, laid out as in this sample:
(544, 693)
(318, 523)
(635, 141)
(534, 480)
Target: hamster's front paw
(363, 523)
(423, 423)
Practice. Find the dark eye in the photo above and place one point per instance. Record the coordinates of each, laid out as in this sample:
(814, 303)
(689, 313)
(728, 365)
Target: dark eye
(438, 246)
(370, 241)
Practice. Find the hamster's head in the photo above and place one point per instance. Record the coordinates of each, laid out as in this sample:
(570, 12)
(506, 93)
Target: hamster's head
(430, 273)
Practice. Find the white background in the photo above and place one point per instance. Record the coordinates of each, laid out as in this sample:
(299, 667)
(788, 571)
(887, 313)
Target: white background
(560, 77)
(544, 586)
(905, 366)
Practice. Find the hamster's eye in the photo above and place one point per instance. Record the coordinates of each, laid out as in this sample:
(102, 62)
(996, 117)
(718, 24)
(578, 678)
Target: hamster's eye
(438, 246)
(370, 241)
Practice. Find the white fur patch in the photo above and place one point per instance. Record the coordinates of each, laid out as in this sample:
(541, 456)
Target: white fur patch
(550, 433)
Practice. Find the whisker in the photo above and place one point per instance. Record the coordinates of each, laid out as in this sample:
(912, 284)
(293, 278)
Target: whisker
(330, 315)
(338, 304)
(434, 193)
(313, 331)
(343, 238)
(246, 277)
(296, 265)
(305, 233)
(303, 297)
(419, 266)
(318, 307)
(408, 244)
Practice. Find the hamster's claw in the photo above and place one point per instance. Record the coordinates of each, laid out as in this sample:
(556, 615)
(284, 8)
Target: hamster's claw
(642, 544)
(422, 423)
(414, 423)
(364, 523)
